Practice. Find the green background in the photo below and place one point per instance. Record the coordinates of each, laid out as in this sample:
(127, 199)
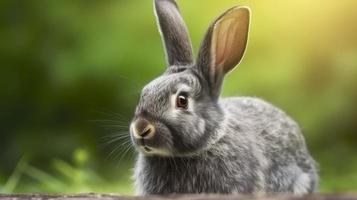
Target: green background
(71, 73)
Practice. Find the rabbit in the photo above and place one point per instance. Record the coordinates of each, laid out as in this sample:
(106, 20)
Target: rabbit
(190, 140)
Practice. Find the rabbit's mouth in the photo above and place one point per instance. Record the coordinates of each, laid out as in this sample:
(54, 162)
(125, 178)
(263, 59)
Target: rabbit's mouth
(150, 150)
(144, 147)
(147, 149)
(150, 138)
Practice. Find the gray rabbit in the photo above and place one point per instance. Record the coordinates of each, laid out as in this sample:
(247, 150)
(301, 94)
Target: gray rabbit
(192, 141)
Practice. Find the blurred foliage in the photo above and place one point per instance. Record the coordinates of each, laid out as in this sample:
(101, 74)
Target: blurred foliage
(65, 178)
(71, 73)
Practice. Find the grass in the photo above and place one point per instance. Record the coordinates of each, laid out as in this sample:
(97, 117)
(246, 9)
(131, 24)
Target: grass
(79, 177)
(76, 177)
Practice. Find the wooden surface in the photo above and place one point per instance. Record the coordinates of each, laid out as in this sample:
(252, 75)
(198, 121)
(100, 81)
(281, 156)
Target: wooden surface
(172, 197)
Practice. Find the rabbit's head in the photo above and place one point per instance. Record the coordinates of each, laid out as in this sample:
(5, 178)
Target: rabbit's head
(178, 113)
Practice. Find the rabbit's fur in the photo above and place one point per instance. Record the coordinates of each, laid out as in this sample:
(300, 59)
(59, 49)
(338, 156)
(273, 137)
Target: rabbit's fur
(214, 145)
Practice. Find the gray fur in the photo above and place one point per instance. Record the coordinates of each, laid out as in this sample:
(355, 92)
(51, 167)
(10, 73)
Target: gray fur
(218, 145)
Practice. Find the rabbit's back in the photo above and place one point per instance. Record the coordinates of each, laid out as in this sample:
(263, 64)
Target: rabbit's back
(277, 139)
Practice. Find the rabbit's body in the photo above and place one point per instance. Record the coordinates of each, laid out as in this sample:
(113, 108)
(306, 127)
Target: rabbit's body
(260, 150)
(191, 141)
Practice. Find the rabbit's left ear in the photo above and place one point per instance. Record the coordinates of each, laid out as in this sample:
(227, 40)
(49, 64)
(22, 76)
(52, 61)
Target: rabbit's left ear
(224, 46)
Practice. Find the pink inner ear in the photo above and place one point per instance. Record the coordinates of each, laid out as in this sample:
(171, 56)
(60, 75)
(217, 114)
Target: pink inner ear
(229, 39)
(223, 38)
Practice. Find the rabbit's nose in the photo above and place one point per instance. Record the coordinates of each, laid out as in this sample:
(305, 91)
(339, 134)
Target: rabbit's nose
(143, 129)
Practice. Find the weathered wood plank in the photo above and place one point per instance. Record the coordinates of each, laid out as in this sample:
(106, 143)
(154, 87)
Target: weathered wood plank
(171, 197)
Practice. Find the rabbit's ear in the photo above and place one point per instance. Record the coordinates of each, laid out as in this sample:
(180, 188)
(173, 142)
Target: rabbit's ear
(224, 46)
(174, 33)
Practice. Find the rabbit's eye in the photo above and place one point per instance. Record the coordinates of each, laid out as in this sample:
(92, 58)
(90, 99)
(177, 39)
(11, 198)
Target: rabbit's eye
(182, 101)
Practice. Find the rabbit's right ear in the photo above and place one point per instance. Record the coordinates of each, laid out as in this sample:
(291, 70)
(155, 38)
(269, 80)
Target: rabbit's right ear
(174, 33)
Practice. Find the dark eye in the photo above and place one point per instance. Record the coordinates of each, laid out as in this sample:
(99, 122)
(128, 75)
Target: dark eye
(182, 101)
